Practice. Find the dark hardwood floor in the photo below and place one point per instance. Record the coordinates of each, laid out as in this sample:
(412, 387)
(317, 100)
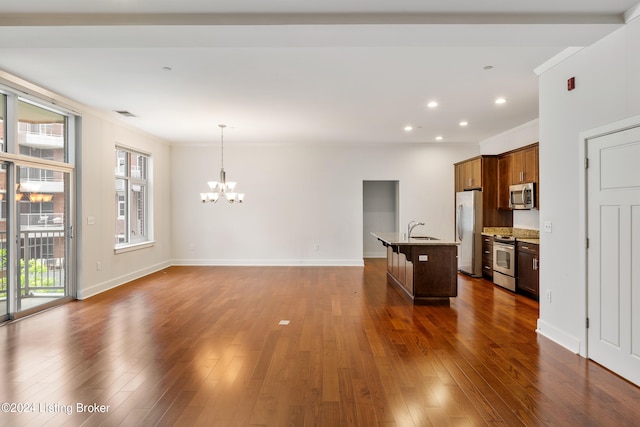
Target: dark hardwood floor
(203, 346)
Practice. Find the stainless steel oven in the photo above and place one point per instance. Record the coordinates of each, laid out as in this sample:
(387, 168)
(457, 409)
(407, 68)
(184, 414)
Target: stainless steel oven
(504, 262)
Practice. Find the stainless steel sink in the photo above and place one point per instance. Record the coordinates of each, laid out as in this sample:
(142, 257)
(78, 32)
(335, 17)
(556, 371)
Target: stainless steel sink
(424, 237)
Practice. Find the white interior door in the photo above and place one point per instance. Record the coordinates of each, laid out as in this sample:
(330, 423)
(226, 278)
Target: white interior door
(613, 181)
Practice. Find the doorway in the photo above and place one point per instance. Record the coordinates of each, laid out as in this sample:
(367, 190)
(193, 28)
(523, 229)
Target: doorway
(379, 213)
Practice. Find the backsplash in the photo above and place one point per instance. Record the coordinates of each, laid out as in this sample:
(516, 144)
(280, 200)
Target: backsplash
(511, 231)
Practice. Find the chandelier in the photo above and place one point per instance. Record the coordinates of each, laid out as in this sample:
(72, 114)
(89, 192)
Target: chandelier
(222, 188)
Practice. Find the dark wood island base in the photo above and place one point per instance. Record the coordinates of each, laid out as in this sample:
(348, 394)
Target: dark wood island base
(425, 269)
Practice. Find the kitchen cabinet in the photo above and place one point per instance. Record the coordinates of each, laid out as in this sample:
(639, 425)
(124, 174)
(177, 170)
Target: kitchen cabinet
(528, 273)
(482, 173)
(425, 270)
(504, 180)
(524, 165)
(517, 167)
(487, 257)
(469, 174)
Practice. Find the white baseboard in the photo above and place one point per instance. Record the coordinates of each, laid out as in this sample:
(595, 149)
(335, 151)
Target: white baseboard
(271, 262)
(567, 341)
(118, 281)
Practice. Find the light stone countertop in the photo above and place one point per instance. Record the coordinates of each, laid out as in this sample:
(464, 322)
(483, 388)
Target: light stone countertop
(397, 240)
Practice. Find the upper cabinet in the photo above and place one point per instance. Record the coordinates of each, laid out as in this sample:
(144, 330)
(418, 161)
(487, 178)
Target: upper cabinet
(504, 180)
(517, 167)
(469, 174)
(481, 173)
(524, 165)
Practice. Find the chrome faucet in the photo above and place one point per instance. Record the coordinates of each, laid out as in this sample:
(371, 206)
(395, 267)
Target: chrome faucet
(411, 226)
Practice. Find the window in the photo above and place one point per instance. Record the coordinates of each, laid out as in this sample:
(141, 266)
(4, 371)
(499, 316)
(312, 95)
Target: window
(131, 197)
(42, 132)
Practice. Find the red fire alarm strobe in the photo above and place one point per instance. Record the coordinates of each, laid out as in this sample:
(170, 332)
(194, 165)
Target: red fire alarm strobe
(571, 83)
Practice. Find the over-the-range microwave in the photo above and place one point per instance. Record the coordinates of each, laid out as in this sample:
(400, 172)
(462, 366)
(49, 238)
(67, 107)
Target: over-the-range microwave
(522, 196)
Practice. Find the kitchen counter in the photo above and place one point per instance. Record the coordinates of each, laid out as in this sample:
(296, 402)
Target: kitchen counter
(396, 239)
(425, 269)
(528, 240)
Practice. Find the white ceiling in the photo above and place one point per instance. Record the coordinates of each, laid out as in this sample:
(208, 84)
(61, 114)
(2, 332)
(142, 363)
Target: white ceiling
(317, 71)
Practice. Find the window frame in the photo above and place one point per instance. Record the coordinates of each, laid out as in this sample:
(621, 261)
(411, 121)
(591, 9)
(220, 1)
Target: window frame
(129, 174)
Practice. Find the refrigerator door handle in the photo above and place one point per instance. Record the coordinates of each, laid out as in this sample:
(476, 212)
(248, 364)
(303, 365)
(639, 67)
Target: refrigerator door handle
(458, 217)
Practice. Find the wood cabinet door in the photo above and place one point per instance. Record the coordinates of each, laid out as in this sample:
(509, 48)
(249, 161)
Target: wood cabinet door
(517, 167)
(504, 180)
(474, 173)
(459, 178)
(524, 166)
(530, 169)
(527, 271)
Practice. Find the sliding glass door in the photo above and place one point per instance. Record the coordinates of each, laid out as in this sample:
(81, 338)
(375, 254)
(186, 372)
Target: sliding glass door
(42, 235)
(4, 273)
(36, 182)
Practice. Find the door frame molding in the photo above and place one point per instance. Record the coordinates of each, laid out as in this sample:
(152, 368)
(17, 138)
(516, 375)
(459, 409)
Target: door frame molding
(584, 138)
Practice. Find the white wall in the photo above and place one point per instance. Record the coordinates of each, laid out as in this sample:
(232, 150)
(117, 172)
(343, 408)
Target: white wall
(99, 137)
(607, 90)
(298, 196)
(94, 178)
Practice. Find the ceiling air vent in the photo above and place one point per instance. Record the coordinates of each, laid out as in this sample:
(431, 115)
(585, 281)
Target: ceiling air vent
(125, 113)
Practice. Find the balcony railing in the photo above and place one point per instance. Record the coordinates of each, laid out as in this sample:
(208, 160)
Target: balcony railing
(42, 273)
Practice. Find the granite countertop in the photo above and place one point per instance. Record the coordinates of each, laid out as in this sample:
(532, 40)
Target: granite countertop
(520, 234)
(528, 240)
(397, 240)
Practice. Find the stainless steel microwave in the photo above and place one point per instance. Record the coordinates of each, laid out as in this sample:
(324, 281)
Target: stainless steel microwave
(522, 196)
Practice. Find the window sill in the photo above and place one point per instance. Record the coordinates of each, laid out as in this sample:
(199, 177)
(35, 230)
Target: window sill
(133, 247)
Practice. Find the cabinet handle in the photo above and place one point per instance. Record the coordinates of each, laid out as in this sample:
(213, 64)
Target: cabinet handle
(535, 263)
(487, 252)
(525, 247)
(521, 176)
(487, 267)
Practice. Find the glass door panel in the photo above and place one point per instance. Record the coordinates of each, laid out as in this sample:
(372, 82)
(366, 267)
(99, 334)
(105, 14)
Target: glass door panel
(42, 239)
(4, 276)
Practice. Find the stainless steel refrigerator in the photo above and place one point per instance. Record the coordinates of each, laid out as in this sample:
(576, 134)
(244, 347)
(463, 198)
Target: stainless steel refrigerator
(469, 231)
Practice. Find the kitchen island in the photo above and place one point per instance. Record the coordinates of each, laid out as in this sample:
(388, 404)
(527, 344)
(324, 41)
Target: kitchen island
(424, 268)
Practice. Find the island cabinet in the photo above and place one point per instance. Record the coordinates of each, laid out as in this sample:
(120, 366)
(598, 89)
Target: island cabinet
(527, 281)
(426, 273)
(424, 268)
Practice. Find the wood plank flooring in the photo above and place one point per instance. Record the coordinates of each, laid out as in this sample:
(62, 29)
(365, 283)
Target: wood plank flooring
(202, 346)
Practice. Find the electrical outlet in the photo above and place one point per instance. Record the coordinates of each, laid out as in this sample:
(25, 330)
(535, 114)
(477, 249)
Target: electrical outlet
(98, 266)
(316, 247)
(547, 226)
(548, 296)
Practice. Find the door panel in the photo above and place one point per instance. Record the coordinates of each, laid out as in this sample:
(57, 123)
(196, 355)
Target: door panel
(42, 238)
(613, 181)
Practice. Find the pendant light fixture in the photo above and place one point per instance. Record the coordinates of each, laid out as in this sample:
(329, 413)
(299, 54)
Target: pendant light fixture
(222, 188)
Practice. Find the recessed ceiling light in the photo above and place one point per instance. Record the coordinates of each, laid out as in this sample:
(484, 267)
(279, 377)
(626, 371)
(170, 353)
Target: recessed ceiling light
(432, 104)
(166, 68)
(487, 67)
(439, 138)
(464, 123)
(408, 128)
(500, 101)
